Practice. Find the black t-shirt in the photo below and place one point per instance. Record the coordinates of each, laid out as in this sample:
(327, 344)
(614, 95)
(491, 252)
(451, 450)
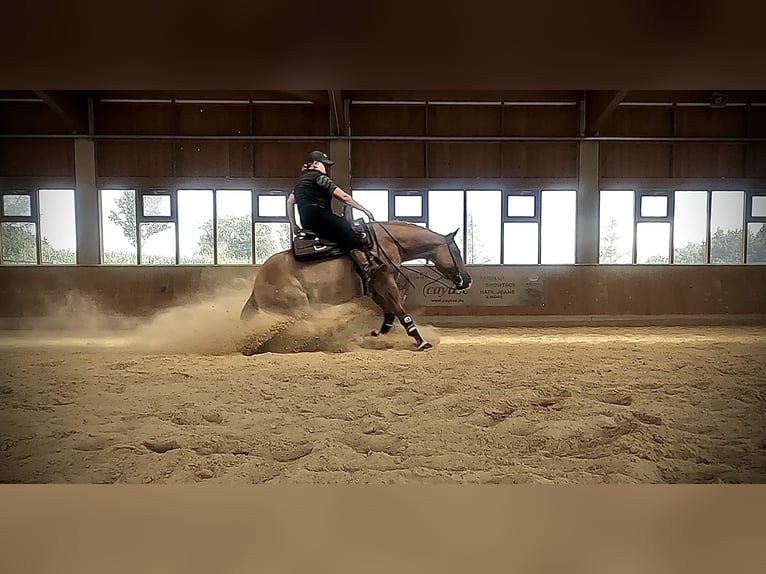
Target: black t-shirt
(314, 188)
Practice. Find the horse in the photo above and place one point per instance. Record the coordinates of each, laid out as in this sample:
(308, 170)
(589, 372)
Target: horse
(291, 286)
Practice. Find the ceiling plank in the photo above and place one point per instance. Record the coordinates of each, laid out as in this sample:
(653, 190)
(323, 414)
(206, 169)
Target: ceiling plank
(72, 107)
(338, 112)
(599, 106)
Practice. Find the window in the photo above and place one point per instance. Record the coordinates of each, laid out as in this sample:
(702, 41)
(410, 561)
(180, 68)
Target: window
(376, 200)
(272, 228)
(158, 228)
(38, 226)
(19, 228)
(726, 224)
(653, 205)
(483, 227)
(758, 205)
(17, 204)
(195, 227)
(520, 205)
(234, 226)
(690, 219)
(616, 217)
(118, 227)
(272, 205)
(558, 213)
(652, 242)
(521, 228)
(494, 227)
(156, 205)
(445, 213)
(410, 206)
(654, 219)
(703, 226)
(756, 228)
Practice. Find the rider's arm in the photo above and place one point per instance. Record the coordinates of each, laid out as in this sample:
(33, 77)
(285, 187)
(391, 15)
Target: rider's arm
(291, 213)
(328, 184)
(348, 200)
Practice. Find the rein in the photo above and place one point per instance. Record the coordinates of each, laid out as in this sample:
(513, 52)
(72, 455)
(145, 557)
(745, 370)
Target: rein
(400, 270)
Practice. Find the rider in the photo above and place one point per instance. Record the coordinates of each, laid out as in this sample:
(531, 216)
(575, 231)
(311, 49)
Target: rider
(313, 193)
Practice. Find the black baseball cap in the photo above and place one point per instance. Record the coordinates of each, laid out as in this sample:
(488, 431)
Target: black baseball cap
(320, 157)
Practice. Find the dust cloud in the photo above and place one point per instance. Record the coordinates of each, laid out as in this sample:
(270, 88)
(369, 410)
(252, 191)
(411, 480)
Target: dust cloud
(211, 325)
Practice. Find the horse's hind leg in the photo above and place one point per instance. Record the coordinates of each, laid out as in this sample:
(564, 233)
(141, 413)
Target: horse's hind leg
(250, 308)
(388, 291)
(388, 316)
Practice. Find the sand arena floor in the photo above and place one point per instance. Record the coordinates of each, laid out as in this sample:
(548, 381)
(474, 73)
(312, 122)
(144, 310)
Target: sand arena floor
(175, 401)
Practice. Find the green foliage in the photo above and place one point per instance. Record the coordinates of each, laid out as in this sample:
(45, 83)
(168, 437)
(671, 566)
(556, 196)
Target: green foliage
(125, 218)
(235, 240)
(608, 248)
(19, 243)
(725, 247)
(20, 247)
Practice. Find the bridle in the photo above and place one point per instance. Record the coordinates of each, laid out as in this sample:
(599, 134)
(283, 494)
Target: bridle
(451, 246)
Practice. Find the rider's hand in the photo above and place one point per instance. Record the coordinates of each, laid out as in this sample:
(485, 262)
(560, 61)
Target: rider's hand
(369, 215)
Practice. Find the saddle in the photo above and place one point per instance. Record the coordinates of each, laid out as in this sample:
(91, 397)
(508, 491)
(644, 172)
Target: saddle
(308, 246)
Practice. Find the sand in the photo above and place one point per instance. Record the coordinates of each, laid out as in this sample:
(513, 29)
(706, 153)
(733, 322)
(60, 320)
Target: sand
(175, 401)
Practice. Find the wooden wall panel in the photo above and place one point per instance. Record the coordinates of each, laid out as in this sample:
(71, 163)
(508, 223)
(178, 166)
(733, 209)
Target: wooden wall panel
(639, 122)
(214, 119)
(202, 159)
(240, 159)
(135, 118)
(115, 158)
(464, 159)
(283, 159)
(755, 165)
(757, 122)
(585, 290)
(710, 122)
(31, 118)
(388, 159)
(449, 120)
(387, 120)
(291, 120)
(540, 121)
(554, 160)
(709, 160)
(32, 158)
(635, 160)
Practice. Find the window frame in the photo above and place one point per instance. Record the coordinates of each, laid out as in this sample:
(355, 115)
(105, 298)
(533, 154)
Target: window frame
(536, 217)
(750, 218)
(258, 218)
(639, 194)
(33, 217)
(422, 194)
(172, 218)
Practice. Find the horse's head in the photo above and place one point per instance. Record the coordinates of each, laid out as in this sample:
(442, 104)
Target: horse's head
(448, 261)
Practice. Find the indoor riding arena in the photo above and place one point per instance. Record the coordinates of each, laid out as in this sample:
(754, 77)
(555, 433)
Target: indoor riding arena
(614, 330)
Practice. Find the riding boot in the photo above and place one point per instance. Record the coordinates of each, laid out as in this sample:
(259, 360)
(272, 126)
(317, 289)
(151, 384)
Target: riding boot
(367, 265)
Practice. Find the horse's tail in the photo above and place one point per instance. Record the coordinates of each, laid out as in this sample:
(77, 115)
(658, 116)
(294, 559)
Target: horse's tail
(250, 308)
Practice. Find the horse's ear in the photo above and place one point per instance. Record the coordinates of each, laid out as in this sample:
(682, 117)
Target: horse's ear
(452, 235)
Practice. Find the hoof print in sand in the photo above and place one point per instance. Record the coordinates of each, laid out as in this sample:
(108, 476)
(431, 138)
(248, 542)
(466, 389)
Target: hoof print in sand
(621, 399)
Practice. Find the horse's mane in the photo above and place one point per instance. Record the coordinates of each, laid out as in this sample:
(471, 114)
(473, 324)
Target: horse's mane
(395, 223)
(408, 224)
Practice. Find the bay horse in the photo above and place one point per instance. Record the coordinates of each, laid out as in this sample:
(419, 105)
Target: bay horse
(290, 286)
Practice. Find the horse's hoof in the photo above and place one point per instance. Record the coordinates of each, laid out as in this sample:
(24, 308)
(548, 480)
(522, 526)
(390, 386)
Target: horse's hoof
(374, 333)
(424, 346)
